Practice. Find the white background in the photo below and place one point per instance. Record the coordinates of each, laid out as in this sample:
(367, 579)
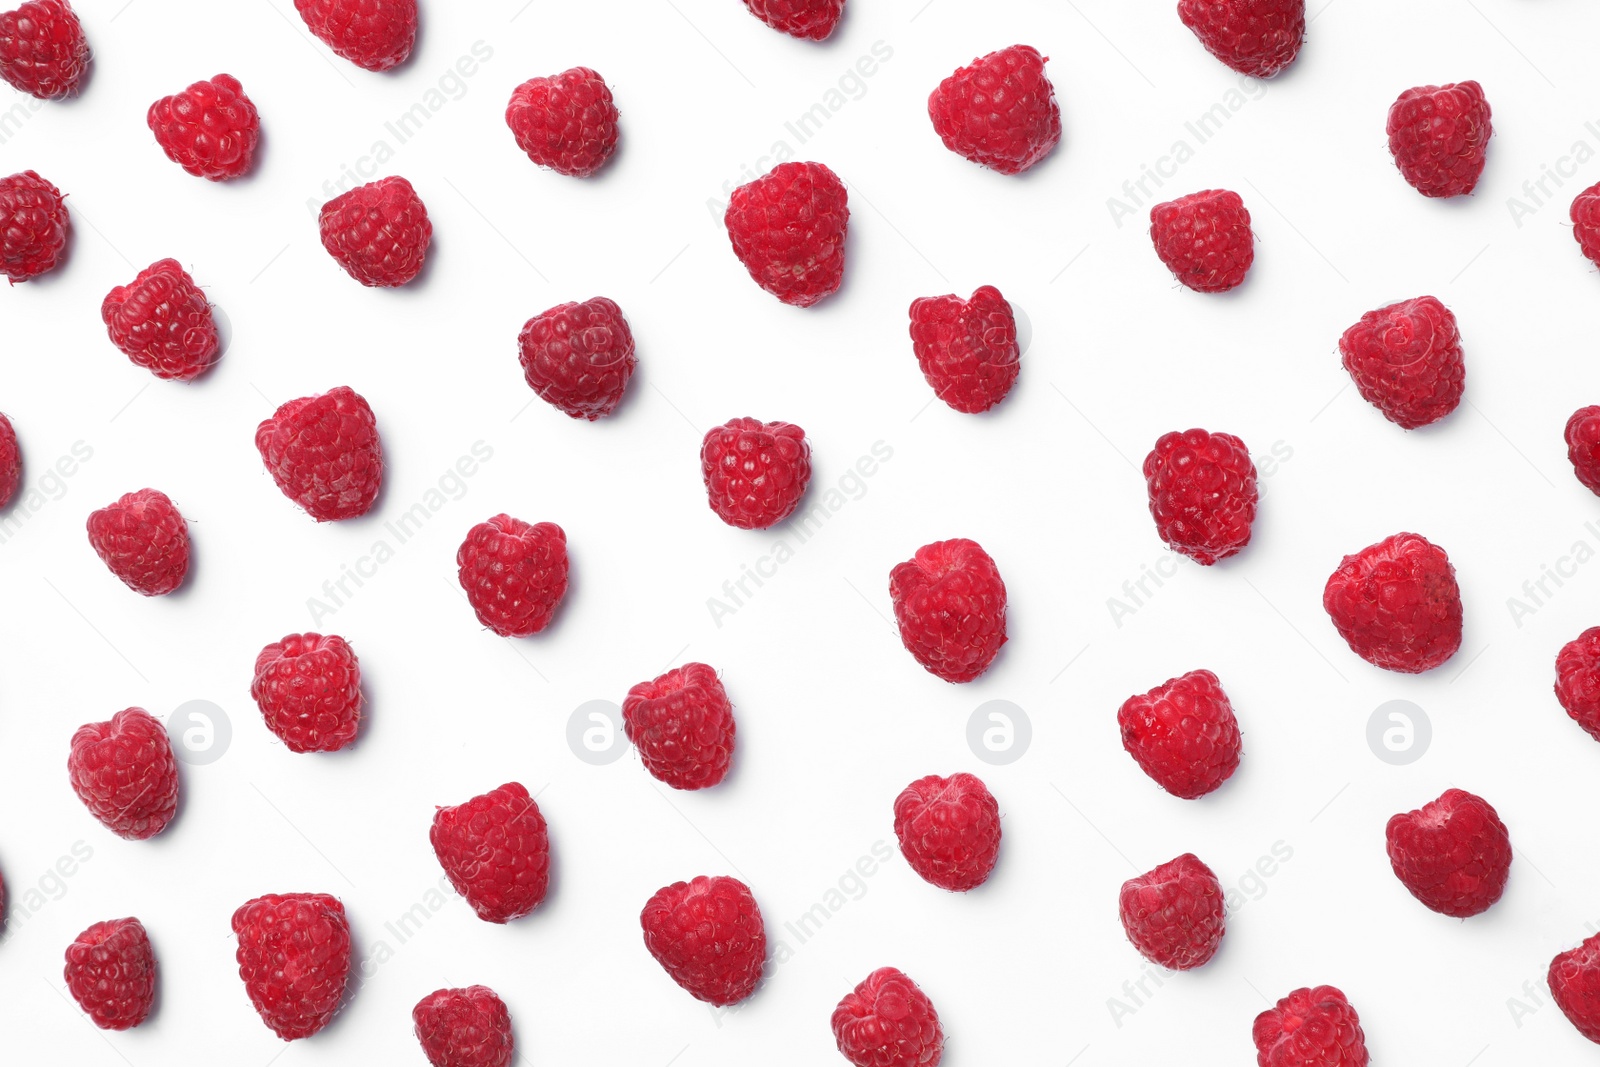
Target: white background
(834, 717)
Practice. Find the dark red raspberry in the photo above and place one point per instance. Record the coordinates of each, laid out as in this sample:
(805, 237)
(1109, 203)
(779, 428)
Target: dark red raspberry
(1204, 238)
(1453, 854)
(708, 936)
(294, 957)
(1406, 361)
(950, 605)
(308, 688)
(10, 461)
(496, 852)
(1202, 493)
(111, 973)
(566, 122)
(1310, 1028)
(373, 34)
(949, 830)
(1439, 135)
(683, 725)
(967, 348)
(1254, 37)
(324, 453)
(1583, 446)
(1578, 680)
(1176, 914)
(1575, 984)
(379, 232)
(144, 540)
(162, 322)
(887, 1021)
(42, 49)
(755, 472)
(514, 574)
(788, 229)
(124, 772)
(999, 111)
(464, 1028)
(1586, 222)
(210, 129)
(1396, 604)
(579, 357)
(33, 226)
(811, 19)
(1183, 734)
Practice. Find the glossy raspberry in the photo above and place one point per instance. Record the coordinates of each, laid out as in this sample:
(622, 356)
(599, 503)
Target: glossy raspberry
(887, 1021)
(683, 726)
(124, 772)
(810, 19)
(949, 830)
(755, 472)
(1176, 914)
(496, 852)
(42, 49)
(111, 973)
(1396, 604)
(1453, 854)
(33, 226)
(1406, 361)
(1574, 980)
(1254, 37)
(1583, 446)
(10, 461)
(1183, 734)
(308, 688)
(294, 957)
(708, 936)
(999, 111)
(788, 229)
(1578, 680)
(566, 122)
(464, 1028)
(579, 357)
(144, 540)
(967, 348)
(1202, 493)
(379, 232)
(373, 34)
(324, 453)
(514, 574)
(1586, 222)
(1204, 239)
(162, 322)
(210, 129)
(1310, 1028)
(950, 605)
(1439, 135)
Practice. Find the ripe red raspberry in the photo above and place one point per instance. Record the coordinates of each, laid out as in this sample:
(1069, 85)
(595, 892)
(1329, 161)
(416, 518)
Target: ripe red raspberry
(210, 129)
(1453, 854)
(124, 772)
(683, 725)
(1586, 222)
(33, 226)
(1574, 980)
(810, 19)
(949, 830)
(1183, 734)
(708, 936)
(1176, 914)
(1406, 361)
(144, 540)
(378, 232)
(1396, 604)
(294, 957)
(10, 461)
(1578, 680)
(324, 453)
(1583, 446)
(514, 574)
(1204, 238)
(1254, 37)
(967, 348)
(308, 688)
(373, 34)
(111, 973)
(579, 357)
(162, 322)
(566, 122)
(496, 852)
(950, 605)
(1202, 493)
(1000, 111)
(1439, 135)
(887, 1021)
(1310, 1028)
(42, 49)
(464, 1028)
(755, 472)
(788, 229)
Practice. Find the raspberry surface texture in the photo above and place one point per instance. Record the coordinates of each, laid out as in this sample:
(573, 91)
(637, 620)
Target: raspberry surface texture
(1254, 37)
(43, 51)
(143, 540)
(1000, 111)
(1453, 854)
(125, 773)
(1578, 680)
(755, 472)
(579, 357)
(1396, 604)
(514, 574)
(1183, 734)
(162, 322)
(1406, 361)
(210, 129)
(949, 830)
(788, 229)
(1583, 446)
(308, 688)
(323, 452)
(10, 461)
(811, 19)
(496, 851)
(1205, 239)
(1439, 136)
(294, 957)
(1203, 493)
(967, 349)
(1176, 914)
(378, 232)
(682, 724)
(33, 226)
(567, 122)
(1310, 1028)
(950, 606)
(468, 1027)
(111, 973)
(888, 1021)
(374, 34)
(1585, 214)
(1574, 979)
(708, 936)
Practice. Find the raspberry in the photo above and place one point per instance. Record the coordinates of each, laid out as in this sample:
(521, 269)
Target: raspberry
(324, 453)
(950, 605)
(33, 226)
(1000, 111)
(1578, 680)
(111, 973)
(1254, 37)
(378, 232)
(755, 472)
(810, 19)
(308, 688)
(42, 49)
(683, 725)
(1396, 604)
(1583, 446)
(162, 322)
(566, 122)
(1586, 222)
(1453, 854)
(210, 129)
(1575, 984)
(294, 957)
(579, 357)
(514, 574)
(496, 852)
(1439, 135)
(967, 348)
(887, 1021)
(788, 229)
(372, 34)
(949, 830)
(1183, 734)
(708, 936)
(464, 1028)
(1310, 1028)
(1176, 914)
(124, 772)
(1406, 361)
(10, 461)
(1204, 238)
(144, 540)
(1202, 493)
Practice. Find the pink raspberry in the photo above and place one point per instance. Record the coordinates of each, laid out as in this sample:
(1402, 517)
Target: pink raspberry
(1583, 446)
(1176, 914)
(1453, 854)
(755, 472)
(111, 973)
(788, 229)
(143, 540)
(379, 232)
(10, 461)
(1254, 37)
(495, 849)
(125, 773)
(1406, 361)
(579, 357)
(324, 453)
(1396, 604)
(1183, 734)
(1439, 136)
(162, 322)
(43, 51)
(708, 936)
(514, 574)
(210, 129)
(1585, 215)
(1578, 680)
(683, 726)
(1310, 1028)
(887, 1021)
(33, 226)
(967, 348)
(468, 1027)
(308, 688)
(294, 958)
(1205, 239)
(999, 111)
(376, 35)
(809, 19)
(949, 830)
(950, 606)
(1202, 493)
(566, 122)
